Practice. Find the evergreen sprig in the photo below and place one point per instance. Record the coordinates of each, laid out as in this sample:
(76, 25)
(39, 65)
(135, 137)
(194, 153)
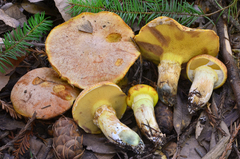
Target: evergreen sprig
(132, 10)
(16, 45)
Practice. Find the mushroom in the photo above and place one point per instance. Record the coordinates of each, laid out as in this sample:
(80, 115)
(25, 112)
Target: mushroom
(142, 99)
(170, 44)
(43, 91)
(207, 73)
(92, 47)
(99, 108)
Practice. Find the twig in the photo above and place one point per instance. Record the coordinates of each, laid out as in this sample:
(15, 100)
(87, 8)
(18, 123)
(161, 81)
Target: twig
(229, 145)
(236, 150)
(226, 52)
(32, 43)
(10, 143)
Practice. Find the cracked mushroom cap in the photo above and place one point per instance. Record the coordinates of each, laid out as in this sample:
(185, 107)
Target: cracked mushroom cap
(92, 47)
(211, 62)
(43, 91)
(93, 97)
(165, 39)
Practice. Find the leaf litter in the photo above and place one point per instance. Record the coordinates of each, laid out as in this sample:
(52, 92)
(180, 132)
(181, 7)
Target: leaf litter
(218, 130)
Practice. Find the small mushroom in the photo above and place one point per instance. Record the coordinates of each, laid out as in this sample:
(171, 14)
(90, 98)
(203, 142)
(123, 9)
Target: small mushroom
(207, 73)
(43, 91)
(170, 44)
(142, 99)
(92, 47)
(99, 108)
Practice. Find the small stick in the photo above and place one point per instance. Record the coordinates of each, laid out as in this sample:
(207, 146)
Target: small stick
(10, 143)
(229, 145)
(226, 52)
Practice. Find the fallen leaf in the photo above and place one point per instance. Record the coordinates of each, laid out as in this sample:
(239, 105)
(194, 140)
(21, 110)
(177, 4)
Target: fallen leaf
(14, 12)
(10, 68)
(38, 8)
(181, 116)
(217, 151)
(170, 148)
(3, 82)
(61, 5)
(8, 20)
(39, 149)
(189, 150)
(98, 144)
(104, 156)
(8, 123)
(202, 120)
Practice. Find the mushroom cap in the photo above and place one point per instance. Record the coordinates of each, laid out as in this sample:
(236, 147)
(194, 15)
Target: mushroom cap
(43, 91)
(164, 38)
(210, 61)
(92, 47)
(141, 89)
(103, 93)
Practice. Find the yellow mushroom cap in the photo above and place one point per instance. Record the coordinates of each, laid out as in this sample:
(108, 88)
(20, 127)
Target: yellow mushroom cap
(165, 39)
(141, 89)
(103, 93)
(43, 91)
(210, 61)
(91, 48)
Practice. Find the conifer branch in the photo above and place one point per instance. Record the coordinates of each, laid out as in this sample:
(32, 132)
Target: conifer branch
(16, 45)
(132, 10)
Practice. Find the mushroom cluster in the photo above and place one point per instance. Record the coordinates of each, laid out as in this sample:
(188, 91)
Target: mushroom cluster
(94, 51)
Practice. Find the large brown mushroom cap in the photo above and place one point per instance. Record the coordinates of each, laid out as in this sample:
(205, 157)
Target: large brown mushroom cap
(43, 91)
(92, 47)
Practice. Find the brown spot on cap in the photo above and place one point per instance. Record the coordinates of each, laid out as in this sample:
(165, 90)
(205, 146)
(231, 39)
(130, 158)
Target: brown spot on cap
(179, 36)
(157, 50)
(194, 33)
(204, 50)
(164, 40)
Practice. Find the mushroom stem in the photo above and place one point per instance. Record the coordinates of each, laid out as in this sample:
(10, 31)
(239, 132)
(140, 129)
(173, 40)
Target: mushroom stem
(118, 133)
(202, 88)
(169, 72)
(145, 117)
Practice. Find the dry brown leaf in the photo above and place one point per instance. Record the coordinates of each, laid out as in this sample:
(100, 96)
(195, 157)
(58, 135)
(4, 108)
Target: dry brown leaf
(9, 108)
(14, 12)
(8, 20)
(189, 150)
(39, 149)
(61, 5)
(9, 124)
(38, 8)
(10, 68)
(3, 82)
(181, 116)
(98, 144)
(201, 124)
